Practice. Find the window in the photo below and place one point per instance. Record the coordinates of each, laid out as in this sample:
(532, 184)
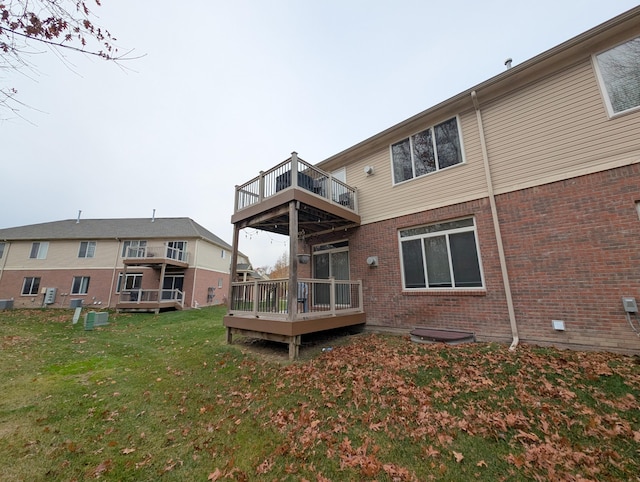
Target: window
(80, 285)
(39, 250)
(619, 73)
(428, 151)
(30, 286)
(87, 249)
(443, 255)
(134, 249)
(219, 282)
(222, 254)
(177, 250)
(2, 250)
(133, 282)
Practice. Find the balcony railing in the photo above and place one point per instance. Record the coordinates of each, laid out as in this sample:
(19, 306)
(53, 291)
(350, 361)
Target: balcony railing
(315, 298)
(162, 252)
(151, 297)
(295, 173)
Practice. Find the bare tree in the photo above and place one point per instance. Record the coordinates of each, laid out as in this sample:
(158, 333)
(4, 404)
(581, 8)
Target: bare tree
(52, 24)
(281, 268)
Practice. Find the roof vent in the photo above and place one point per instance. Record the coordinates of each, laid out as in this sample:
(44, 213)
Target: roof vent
(78, 219)
(153, 216)
(508, 63)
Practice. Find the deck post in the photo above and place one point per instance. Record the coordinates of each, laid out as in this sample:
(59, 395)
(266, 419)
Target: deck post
(229, 336)
(294, 347)
(233, 269)
(163, 270)
(292, 295)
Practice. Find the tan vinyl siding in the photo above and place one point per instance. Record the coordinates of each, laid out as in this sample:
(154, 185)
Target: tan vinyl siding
(62, 255)
(379, 199)
(209, 257)
(556, 129)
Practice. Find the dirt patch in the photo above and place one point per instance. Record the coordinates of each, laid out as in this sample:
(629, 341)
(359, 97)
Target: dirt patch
(312, 344)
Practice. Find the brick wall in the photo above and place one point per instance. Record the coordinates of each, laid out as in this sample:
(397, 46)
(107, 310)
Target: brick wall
(572, 252)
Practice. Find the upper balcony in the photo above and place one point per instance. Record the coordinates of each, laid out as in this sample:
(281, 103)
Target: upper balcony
(154, 255)
(324, 202)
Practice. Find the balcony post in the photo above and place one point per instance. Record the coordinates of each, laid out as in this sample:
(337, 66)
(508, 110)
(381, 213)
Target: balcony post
(255, 298)
(330, 188)
(294, 171)
(261, 187)
(233, 268)
(332, 297)
(292, 295)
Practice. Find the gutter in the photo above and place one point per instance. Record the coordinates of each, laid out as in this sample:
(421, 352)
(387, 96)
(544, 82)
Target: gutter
(507, 81)
(496, 225)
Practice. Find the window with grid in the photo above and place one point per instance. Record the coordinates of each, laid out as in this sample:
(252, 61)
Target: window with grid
(442, 255)
(431, 150)
(619, 74)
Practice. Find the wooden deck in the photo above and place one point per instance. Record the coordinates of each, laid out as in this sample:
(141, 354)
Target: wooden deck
(285, 331)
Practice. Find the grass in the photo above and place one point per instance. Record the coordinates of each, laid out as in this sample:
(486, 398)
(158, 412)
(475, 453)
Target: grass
(162, 397)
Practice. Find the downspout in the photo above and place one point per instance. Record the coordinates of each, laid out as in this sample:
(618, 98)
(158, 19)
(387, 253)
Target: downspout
(195, 273)
(496, 226)
(113, 276)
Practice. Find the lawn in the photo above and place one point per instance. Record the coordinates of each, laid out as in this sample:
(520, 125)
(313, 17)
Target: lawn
(162, 397)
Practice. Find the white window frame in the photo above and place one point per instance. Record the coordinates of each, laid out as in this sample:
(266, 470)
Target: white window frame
(39, 250)
(31, 291)
(411, 152)
(604, 90)
(219, 283)
(83, 286)
(129, 275)
(222, 254)
(140, 245)
(176, 250)
(437, 233)
(89, 250)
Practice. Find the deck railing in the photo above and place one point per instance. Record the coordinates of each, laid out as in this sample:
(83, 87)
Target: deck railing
(295, 173)
(155, 297)
(314, 297)
(164, 251)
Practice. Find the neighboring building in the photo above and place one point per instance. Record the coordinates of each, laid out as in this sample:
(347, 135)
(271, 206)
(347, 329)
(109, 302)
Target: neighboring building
(510, 210)
(166, 263)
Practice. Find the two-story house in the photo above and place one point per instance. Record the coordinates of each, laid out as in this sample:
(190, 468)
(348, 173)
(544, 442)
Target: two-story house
(147, 264)
(510, 211)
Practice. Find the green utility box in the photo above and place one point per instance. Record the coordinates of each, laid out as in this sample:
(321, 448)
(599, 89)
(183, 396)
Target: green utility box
(95, 318)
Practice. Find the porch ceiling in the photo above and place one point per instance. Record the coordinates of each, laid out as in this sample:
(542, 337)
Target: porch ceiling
(314, 214)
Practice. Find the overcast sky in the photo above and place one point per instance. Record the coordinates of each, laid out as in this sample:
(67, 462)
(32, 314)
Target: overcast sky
(228, 88)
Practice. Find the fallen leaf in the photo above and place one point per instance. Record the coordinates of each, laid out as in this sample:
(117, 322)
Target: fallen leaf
(215, 475)
(458, 456)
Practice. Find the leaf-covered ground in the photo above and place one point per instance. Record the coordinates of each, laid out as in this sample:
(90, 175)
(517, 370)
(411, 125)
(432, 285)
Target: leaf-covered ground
(163, 398)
